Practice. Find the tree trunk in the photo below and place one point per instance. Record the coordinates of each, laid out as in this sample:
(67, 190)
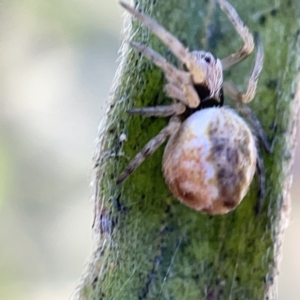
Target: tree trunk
(148, 244)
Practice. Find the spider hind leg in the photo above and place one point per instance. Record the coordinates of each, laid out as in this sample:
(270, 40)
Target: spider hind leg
(150, 147)
(231, 90)
(261, 178)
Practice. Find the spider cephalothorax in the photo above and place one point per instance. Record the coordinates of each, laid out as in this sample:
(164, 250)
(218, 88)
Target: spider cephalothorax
(211, 156)
(210, 91)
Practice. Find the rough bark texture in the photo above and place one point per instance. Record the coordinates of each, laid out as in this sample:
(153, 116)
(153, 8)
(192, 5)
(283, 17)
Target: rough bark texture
(150, 246)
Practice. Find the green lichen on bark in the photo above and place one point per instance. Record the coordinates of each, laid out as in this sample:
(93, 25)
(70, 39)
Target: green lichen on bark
(151, 246)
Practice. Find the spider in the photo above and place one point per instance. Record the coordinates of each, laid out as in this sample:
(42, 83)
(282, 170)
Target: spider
(211, 155)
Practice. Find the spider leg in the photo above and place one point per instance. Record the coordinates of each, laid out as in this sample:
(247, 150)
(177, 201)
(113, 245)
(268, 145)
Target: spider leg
(170, 41)
(258, 130)
(150, 147)
(172, 91)
(176, 109)
(231, 91)
(180, 79)
(244, 33)
(260, 168)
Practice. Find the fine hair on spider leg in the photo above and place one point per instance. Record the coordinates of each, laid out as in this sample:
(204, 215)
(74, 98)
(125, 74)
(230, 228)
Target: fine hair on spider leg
(150, 147)
(211, 154)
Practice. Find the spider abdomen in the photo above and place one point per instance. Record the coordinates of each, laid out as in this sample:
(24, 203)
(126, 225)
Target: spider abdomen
(210, 162)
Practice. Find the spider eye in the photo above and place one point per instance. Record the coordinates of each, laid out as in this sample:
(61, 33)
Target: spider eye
(207, 59)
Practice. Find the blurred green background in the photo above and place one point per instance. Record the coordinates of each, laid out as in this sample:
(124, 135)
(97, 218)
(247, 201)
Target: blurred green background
(58, 59)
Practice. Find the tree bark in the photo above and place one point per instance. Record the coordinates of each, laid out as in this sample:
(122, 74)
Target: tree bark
(150, 246)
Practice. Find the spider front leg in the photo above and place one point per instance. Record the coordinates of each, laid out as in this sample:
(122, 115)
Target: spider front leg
(181, 86)
(244, 33)
(231, 90)
(171, 42)
(150, 147)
